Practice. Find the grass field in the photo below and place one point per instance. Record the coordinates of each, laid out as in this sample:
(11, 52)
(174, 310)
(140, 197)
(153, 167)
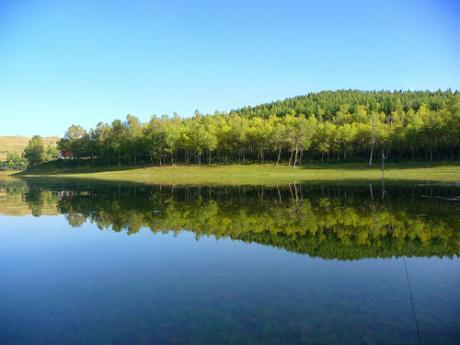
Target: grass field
(264, 174)
(18, 143)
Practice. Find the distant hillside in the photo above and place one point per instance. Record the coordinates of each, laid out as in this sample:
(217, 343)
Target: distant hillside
(18, 143)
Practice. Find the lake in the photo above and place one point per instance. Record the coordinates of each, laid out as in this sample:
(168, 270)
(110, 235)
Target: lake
(101, 263)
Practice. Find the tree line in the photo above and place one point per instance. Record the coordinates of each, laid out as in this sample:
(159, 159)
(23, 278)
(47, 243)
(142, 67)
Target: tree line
(334, 126)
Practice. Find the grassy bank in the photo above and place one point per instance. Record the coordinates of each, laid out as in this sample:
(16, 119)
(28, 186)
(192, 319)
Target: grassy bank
(5, 174)
(261, 174)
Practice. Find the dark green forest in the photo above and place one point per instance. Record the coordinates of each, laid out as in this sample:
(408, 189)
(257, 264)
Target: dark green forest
(330, 222)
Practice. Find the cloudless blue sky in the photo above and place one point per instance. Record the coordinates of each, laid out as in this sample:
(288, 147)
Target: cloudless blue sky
(64, 62)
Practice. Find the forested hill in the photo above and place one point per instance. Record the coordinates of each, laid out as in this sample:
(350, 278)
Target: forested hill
(327, 104)
(335, 126)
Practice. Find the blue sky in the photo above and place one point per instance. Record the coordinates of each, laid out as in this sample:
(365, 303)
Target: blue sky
(64, 62)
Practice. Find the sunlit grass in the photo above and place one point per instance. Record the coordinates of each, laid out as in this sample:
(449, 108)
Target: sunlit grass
(5, 174)
(267, 174)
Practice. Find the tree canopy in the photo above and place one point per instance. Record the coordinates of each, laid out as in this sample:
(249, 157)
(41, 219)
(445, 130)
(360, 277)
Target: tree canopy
(37, 153)
(337, 126)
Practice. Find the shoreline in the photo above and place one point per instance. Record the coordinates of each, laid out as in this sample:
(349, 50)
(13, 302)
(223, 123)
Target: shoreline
(267, 174)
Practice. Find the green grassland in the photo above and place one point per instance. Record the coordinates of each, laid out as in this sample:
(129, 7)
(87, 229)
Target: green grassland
(261, 174)
(17, 144)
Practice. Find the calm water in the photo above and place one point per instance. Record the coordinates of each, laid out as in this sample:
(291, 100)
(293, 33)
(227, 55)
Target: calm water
(83, 263)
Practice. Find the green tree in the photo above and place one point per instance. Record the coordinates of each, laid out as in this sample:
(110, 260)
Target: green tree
(300, 134)
(70, 144)
(15, 161)
(134, 142)
(324, 138)
(279, 136)
(51, 153)
(35, 152)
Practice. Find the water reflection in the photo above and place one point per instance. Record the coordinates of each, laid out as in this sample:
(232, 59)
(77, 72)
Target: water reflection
(63, 281)
(332, 222)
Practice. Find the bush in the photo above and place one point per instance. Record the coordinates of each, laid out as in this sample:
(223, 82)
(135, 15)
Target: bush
(15, 162)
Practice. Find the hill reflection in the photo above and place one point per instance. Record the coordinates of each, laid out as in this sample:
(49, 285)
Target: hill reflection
(325, 221)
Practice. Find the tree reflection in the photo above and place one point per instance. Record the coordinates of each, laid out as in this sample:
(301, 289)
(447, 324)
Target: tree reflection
(325, 221)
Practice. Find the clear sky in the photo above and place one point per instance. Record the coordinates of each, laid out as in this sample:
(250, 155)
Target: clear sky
(64, 62)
